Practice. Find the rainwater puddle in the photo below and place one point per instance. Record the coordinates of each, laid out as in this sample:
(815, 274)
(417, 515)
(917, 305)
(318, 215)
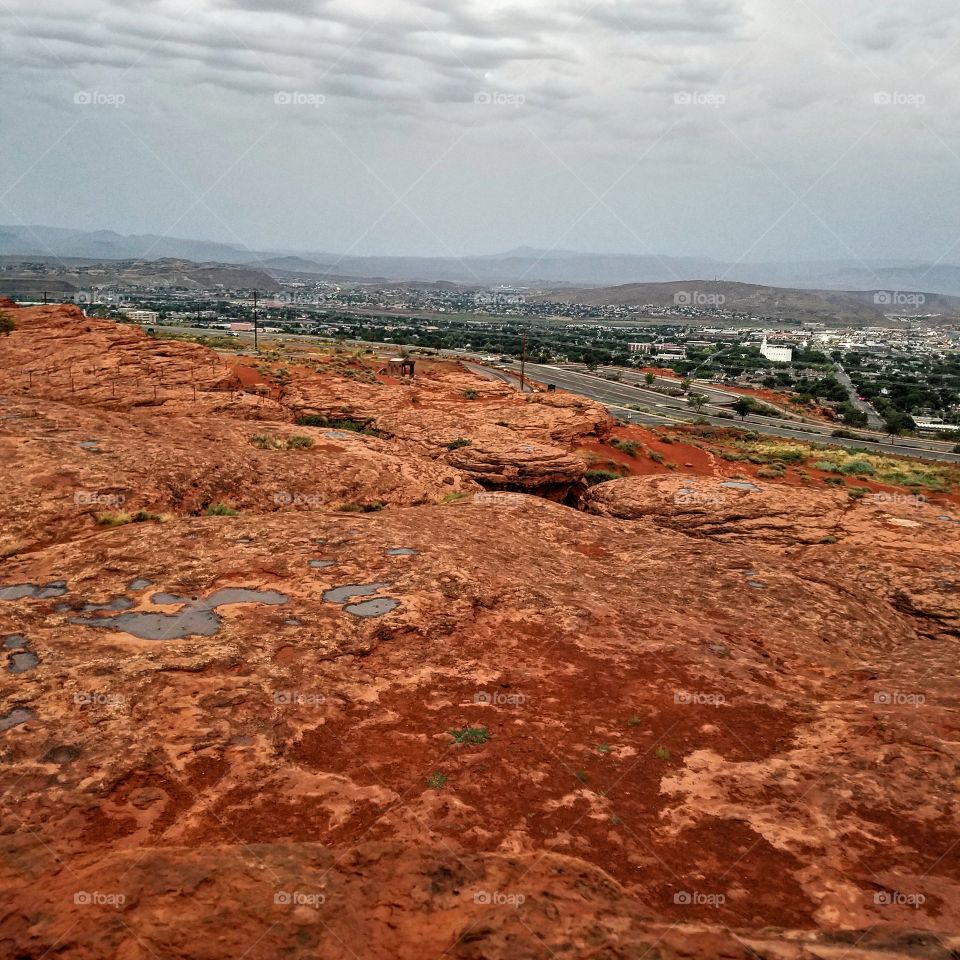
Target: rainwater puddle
(15, 717)
(350, 590)
(19, 591)
(198, 618)
(372, 608)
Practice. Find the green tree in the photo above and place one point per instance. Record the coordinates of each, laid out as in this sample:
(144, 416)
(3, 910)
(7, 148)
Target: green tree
(698, 401)
(6, 324)
(651, 379)
(744, 407)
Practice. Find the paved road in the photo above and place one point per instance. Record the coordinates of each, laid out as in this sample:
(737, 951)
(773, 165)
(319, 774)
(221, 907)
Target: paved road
(665, 411)
(661, 409)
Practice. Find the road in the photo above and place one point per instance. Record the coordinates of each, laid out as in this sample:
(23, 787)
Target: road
(661, 410)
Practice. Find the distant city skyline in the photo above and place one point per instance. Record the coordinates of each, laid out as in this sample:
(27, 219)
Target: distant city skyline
(738, 130)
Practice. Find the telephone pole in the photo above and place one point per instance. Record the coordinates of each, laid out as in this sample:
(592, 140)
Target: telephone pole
(256, 338)
(523, 363)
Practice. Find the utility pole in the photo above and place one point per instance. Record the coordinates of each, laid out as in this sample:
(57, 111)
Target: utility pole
(256, 338)
(523, 363)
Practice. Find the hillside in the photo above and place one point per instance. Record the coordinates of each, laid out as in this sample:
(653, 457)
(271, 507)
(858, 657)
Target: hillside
(853, 307)
(306, 660)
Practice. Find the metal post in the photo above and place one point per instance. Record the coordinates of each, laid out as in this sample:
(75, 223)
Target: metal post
(523, 363)
(256, 338)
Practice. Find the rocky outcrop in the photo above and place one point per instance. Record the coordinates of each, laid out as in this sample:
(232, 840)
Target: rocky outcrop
(689, 721)
(523, 467)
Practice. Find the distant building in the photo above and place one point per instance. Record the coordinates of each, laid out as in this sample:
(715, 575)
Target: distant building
(639, 347)
(141, 316)
(777, 354)
(935, 425)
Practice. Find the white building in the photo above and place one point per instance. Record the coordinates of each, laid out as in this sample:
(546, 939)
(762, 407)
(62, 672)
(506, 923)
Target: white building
(141, 316)
(776, 354)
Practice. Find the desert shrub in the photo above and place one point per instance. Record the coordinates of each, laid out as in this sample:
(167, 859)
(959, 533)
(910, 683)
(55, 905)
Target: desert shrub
(458, 443)
(827, 466)
(470, 735)
(7, 326)
(297, 442)
(113, 519)
(470, 394)
(629, 447)
(656, 457)
(221, 510)
(858, 468)
(593, 477)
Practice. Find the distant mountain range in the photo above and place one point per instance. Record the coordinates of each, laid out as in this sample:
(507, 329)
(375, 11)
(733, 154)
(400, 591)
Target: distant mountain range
(523, 267)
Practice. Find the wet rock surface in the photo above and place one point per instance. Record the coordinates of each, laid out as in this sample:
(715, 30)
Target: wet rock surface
(689, 721)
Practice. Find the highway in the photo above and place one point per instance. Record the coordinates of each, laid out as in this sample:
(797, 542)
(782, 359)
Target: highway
(661, 410)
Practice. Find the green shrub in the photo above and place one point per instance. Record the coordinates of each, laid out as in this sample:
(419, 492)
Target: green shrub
(458, 443)
(470, 394)
(593, 477)
(113, 519)
(221, 510)
(858, 468)
(472, 736)
(297, 442)
(629, 447)
(656, 457)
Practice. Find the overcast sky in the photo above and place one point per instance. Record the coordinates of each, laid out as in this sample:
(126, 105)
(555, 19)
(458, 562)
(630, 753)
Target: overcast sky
(738, 129)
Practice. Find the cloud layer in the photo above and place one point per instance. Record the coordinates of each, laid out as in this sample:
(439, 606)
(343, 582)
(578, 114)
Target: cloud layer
(734, 128)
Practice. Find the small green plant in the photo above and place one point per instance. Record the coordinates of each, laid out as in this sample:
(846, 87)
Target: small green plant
(663, 753)
(629, 447)
(470, 394)
(581, 775)
(472, 736)
(113, 519)
(604, 748)
(144, 516)
(454, 496)
(830, 538)
(458, 443)
(858, 468)
(634, 721)
(656, 457)
(7, 326)
(361, 507)
(593, 477)
(299, 442)
(437, 780)
(615, 820)
(262, 442)
(221, 510)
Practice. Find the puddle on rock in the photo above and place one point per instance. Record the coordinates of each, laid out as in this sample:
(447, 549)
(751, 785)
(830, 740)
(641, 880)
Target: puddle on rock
(91, 446)
(401, 552)
(22, 662)
(198, 618)
(340, 434)
(740, 485)
(117, 603)
(141, 583)
(350, 590)
(166, 599)
(321, 564)
(15, 717)
(15, 641)
(18, 591)
(372, 608)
